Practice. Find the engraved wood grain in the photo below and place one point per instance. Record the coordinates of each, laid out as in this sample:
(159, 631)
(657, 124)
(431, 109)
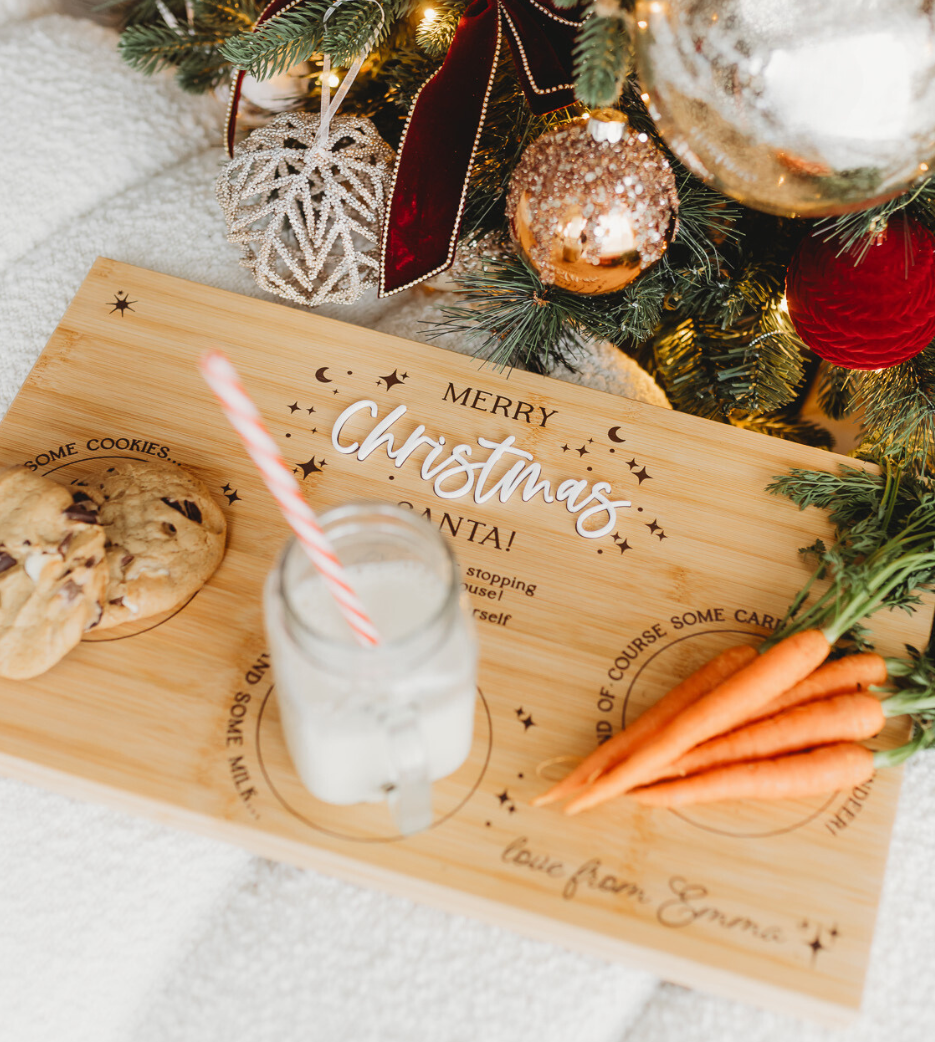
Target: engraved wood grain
(145, 721)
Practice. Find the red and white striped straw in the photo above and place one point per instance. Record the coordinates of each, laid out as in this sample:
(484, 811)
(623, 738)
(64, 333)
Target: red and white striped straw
(222, 378)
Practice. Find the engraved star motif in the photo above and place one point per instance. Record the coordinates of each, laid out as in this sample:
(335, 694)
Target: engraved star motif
(623, 546)
(393, 379)
(661, 535)
(642, 476)
(311, 467)
(311, 410)
(335, 391)
(632, 464)
(519, 712)
(654, 527)
(232, 496)
(527, 722)
(120, 303)
(616, 537)
(294, 407)
(503, 797)
(582, 451)
(564, 448)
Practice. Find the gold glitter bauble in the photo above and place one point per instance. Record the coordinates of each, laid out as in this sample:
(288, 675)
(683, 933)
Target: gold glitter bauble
(592, 204)
(308, 218)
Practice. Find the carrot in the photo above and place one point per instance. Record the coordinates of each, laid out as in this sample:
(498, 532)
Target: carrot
(730, 703)
(840, 718)
(826, 769)
(851, 673)
(657, 716)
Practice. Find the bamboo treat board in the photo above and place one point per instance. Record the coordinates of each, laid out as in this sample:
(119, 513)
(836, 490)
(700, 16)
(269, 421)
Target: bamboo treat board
(177, 717)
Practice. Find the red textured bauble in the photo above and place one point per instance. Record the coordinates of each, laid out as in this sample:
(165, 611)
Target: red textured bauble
(872, 314)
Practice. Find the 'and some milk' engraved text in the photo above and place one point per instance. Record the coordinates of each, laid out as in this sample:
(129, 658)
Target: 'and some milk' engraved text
(241, 771)
(453, 474)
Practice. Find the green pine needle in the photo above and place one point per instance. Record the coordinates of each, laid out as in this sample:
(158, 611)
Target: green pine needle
(150, 45)
(280, 43)
(856, 231)
(603, 59)
(435, 36)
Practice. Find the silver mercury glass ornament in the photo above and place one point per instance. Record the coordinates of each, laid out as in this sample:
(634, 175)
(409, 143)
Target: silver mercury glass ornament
(795, 107)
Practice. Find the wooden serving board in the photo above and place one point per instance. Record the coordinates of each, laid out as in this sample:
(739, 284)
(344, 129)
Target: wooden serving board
(177, 717)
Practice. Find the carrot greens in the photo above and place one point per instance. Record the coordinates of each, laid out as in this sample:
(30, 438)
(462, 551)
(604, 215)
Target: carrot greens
(883, 554)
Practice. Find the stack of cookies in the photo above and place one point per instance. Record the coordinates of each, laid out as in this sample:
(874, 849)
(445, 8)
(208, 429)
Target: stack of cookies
(132, 540)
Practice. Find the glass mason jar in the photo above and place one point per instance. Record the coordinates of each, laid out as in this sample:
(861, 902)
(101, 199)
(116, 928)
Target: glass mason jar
(369, 723)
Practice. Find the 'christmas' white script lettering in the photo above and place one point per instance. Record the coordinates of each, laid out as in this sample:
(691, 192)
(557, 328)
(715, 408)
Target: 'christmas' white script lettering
(443, 470)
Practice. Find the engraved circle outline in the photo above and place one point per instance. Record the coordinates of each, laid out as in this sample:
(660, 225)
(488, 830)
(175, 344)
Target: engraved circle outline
(683, 817)
(372, 839)
(155, 625)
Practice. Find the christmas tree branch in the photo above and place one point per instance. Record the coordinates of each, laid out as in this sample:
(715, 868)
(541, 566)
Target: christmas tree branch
(149, 43)
(297, 34)
(151, 48)
(898, 406)
(856, 231)
(603, 59)
(434, 34)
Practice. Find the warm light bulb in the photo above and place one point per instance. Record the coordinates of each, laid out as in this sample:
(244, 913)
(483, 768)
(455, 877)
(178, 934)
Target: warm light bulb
(333, 80)
(428, 16)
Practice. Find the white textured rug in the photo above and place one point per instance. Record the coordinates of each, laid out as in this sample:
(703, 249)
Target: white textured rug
(114, 929)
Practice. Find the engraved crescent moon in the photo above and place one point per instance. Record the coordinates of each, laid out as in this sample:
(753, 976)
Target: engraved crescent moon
(320, 375)
(612, 434)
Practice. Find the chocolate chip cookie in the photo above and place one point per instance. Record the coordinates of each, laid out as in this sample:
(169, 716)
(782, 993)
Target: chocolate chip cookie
(164, 534)
(52, 571)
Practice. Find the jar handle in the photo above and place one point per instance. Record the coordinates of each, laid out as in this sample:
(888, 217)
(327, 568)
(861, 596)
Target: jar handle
(410, 791)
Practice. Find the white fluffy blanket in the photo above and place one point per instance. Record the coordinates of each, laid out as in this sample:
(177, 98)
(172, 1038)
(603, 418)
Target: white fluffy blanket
(114, 929)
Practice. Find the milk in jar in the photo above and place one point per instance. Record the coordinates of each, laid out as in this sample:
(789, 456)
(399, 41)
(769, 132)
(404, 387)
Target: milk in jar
(349, 713)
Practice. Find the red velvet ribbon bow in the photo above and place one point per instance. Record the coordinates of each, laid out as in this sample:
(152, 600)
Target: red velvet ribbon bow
(436, 154)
